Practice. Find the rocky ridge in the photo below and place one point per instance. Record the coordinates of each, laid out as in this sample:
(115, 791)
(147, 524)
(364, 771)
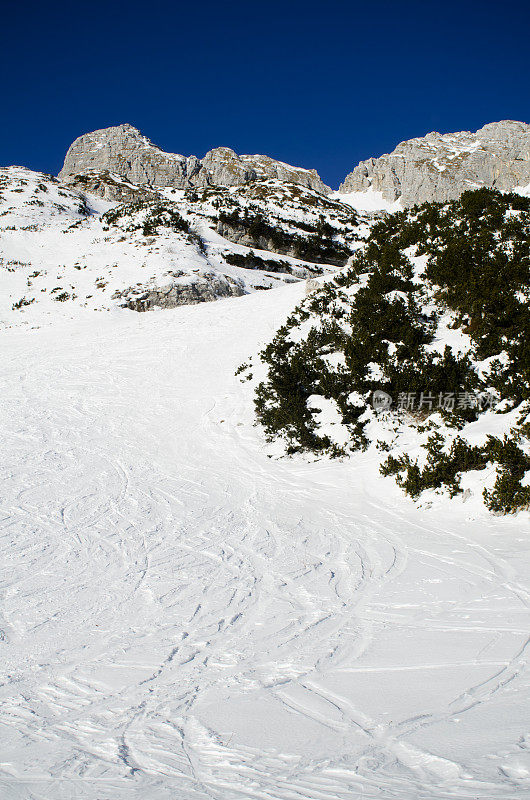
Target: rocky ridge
(125, 152)
(130, 225)
(281, 218)
(440, 167)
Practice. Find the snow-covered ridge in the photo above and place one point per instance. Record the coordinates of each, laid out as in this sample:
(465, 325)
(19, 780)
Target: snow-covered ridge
(58, 251)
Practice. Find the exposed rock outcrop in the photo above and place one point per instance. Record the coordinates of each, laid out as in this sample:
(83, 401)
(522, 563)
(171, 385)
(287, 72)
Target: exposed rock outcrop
(267, 167)
(223, 167)
(125, 152)
(440, 167)
(281, 218)
(203, 289)
(257, 233)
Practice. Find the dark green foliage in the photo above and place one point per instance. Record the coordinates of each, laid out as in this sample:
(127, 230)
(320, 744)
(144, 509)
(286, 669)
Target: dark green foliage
(243, 368)
(161, 216)
(383, 319)
(21, 303)
(318, 245)
(376, 318)
(480, 260)
(512, 462)
(291, 374)
(441, 469)
(252, 261)
(158, 215)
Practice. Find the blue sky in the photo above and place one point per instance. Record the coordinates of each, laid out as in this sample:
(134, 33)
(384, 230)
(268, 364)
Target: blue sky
(316, 84)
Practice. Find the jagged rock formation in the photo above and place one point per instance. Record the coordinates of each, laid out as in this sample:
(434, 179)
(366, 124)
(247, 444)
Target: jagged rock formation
(125, 152)
(440, 167)
(267, 167)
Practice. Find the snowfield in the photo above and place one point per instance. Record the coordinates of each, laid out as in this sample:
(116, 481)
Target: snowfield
(186, 616)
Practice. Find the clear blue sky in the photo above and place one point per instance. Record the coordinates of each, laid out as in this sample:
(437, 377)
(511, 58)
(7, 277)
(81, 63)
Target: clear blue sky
(317, 84)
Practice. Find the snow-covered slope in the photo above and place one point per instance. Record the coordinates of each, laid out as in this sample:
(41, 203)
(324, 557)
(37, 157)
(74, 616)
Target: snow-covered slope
(185, 618)
(61, 247)
(187, 614)
(431, 317)
(368, 201)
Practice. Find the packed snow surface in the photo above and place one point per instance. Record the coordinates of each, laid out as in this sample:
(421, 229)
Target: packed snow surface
(369, 200)
(187, 616)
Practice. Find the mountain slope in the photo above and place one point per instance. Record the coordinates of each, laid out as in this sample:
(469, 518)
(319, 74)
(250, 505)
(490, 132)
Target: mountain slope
(186, 613)
(63, 246)
(184, 618)
(440, 167)
(419, 348)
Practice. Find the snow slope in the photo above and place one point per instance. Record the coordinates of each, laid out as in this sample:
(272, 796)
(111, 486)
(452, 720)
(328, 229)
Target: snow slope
(185, 616)
(58, 254)
(367, 201)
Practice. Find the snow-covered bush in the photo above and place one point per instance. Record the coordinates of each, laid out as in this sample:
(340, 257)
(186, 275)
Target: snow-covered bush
(433, 312)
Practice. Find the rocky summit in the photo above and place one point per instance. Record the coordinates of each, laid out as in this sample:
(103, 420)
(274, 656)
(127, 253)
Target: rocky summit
(118, 162)
(439, 167)
(124, 151)
(127, 225)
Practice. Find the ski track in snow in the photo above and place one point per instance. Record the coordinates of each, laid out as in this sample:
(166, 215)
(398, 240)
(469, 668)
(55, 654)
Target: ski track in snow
(184, 617)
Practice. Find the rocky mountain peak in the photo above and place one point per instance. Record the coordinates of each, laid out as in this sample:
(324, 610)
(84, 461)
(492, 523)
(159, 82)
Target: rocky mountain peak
(507, 128)
(226, 168)
(439, 167)
(124, 151)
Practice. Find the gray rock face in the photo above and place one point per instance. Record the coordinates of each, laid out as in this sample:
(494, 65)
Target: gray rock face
(224, 168)
(439, 167)
(204, 289)
(125, 152)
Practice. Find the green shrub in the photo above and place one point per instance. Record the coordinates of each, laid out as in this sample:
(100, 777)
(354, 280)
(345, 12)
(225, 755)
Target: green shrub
(384, 315)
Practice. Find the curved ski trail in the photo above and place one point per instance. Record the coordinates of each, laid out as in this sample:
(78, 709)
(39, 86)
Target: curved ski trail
(185, 617)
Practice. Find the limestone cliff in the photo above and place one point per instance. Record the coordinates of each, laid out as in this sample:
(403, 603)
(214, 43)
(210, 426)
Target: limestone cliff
(125, 152)
(439, 167)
